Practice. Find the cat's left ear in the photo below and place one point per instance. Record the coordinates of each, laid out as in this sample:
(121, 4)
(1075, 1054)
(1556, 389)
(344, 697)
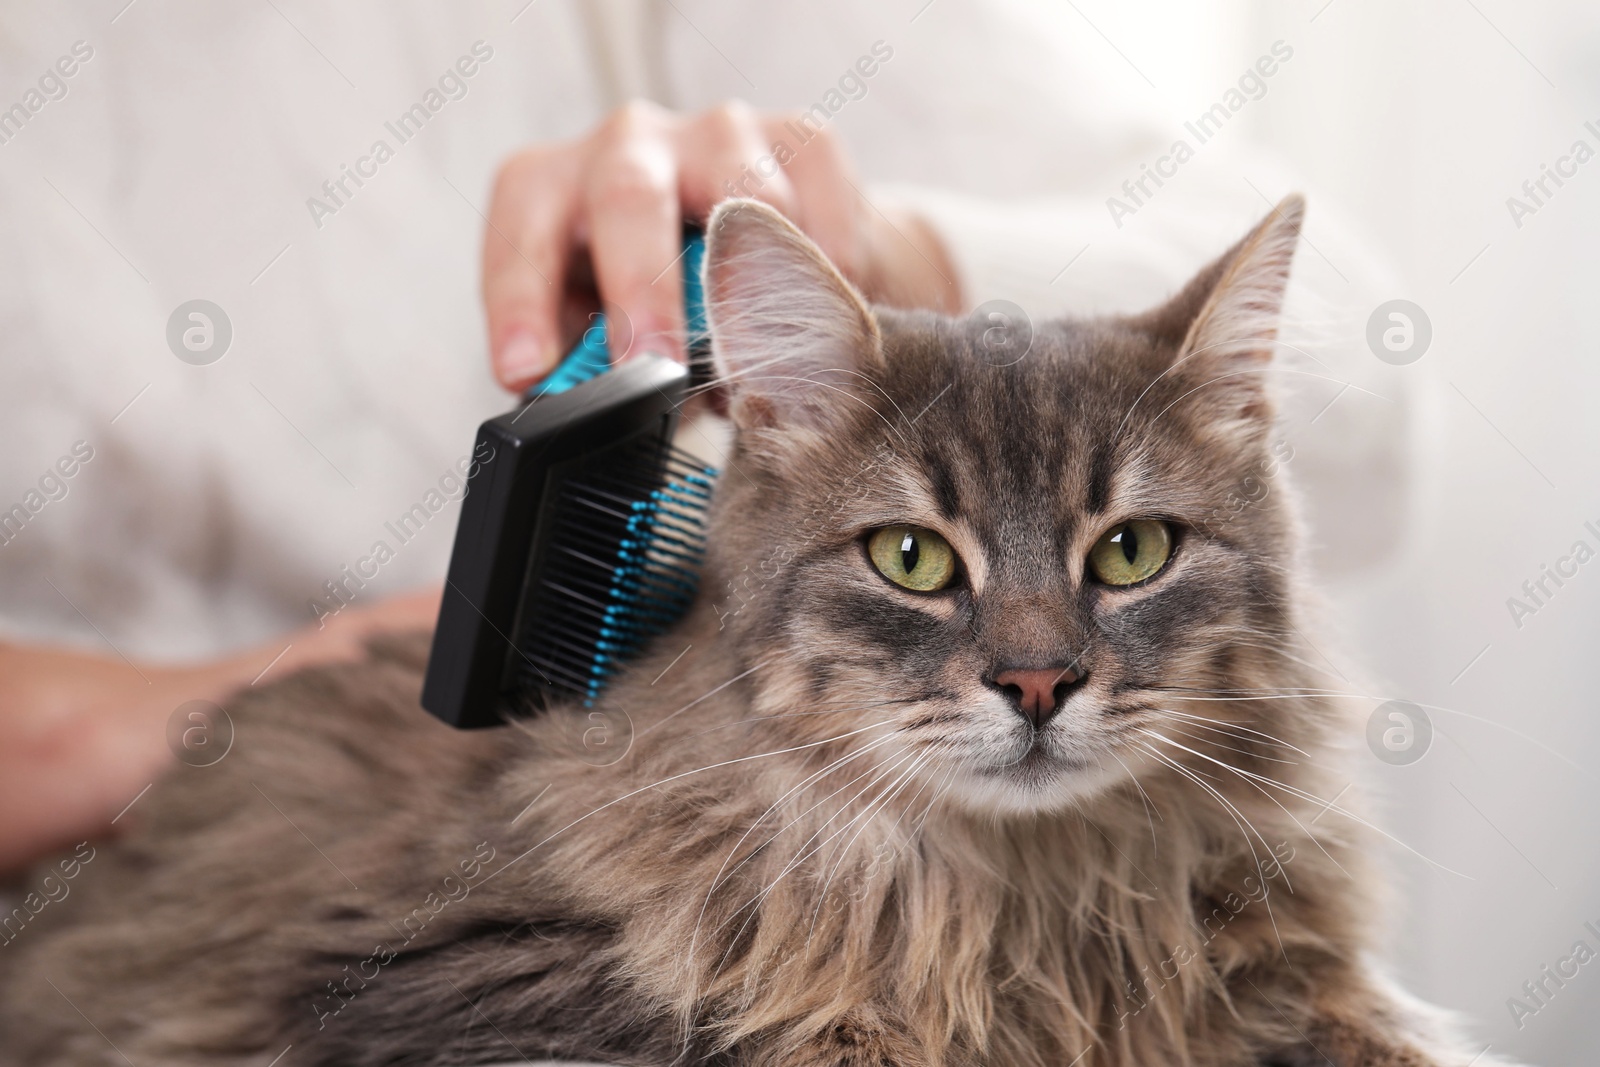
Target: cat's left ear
(1225, 321)
(792, 340)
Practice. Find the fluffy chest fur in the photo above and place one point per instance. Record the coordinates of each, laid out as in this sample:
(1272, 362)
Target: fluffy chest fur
(780, 887)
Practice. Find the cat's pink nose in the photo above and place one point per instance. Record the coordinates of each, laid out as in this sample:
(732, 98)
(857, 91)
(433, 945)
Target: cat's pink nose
(1036, 693)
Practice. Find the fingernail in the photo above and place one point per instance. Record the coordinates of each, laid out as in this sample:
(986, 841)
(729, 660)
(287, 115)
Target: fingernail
(522, 357)
(664, 343)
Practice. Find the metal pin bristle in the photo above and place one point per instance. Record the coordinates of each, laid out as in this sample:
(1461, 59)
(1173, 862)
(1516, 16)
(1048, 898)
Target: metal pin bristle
(621, 567)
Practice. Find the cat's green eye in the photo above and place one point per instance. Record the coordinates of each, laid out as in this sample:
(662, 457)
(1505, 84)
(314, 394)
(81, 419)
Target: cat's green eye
(913, 558)
(1131, 551)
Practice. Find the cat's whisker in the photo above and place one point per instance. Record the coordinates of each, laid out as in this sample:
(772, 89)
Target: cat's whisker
(1244, 825)
(1144, 798)
(810, 779)
(1343, 694)
(889, 797)
(945, 785)
(1237, 728)
(803, 853)
(1233, 808)
(885, 796)
(785, 827)
(1243, 697)
(848, 708)
(754, 904)
(1277, 650)
(704, 696)
(673, 778)
(718, 879)
(1246, 778)
(1499, 725)
(1201, 739)
(866, 820)
(1220, 693)
(912, 799)
(756, 851)
(1328, 805)
(1252, 745)
(851, 700)
(1223, 729)
(1232, 812)
(1275, 646)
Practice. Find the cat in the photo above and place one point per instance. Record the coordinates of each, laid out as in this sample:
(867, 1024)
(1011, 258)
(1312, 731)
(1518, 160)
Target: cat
(989, 739)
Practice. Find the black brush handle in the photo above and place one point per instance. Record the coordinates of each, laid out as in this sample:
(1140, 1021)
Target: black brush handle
(508, 514)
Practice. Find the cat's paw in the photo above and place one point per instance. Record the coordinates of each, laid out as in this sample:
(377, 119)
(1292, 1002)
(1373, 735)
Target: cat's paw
(1369, 1054)
(1367, 1020)
(1344, 1044)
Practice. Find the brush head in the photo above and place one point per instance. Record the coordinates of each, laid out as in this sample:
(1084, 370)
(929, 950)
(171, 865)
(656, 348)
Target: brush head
(579, 539)
(620, 564)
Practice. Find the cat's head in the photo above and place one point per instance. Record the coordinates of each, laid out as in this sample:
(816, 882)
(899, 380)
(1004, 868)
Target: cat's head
(992, 559)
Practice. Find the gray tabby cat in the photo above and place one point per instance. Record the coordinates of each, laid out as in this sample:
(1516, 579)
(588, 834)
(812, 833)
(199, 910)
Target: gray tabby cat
(993, 743)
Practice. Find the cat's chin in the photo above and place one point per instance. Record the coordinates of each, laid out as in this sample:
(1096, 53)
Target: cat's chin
(1038, 783)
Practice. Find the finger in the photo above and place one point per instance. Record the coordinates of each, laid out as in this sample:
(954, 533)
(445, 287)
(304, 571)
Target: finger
(829, 206)
(725, 152)
(633, 220)
(525, 250)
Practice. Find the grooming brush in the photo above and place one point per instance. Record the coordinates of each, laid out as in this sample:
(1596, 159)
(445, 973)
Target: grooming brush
(580, 536)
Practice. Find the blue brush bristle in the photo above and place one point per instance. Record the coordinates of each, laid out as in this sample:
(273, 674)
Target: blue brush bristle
(622, 565)
(657, 572)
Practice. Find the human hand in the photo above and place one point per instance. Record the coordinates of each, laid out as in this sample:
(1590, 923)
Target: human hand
(595, 224)
(81, 735)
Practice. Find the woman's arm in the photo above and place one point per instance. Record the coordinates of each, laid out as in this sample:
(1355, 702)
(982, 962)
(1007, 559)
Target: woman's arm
(81, 735)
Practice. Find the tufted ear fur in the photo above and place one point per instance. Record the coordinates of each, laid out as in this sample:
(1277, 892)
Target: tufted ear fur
(1224, 323)
(791, 338)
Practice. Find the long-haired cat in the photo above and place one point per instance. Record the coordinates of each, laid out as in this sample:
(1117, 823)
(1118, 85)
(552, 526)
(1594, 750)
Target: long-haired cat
(990, 739)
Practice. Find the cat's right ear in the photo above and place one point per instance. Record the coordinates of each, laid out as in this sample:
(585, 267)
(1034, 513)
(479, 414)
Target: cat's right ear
(1223, 325)
(792, 340)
